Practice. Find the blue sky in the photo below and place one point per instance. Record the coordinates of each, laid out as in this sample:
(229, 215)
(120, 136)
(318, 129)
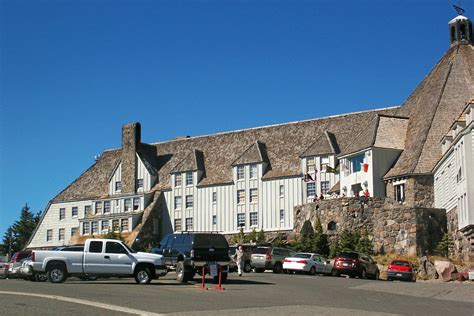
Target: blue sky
(73, 72)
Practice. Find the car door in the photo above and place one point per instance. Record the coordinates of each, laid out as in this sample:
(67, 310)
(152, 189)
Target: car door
(94, 258)
(318, 264)
(326, 266)
(117, 260)
(165, 249)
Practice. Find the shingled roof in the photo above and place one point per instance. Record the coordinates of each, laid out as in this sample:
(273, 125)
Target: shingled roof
(382, 131)
(326, 144)
(432, 108)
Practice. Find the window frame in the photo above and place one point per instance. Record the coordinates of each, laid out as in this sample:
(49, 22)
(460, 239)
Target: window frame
(241, 220)
(74, 211)
(84, 226)
(49, 235)
(241, 197)
(189, 222)
(118, 186)
(178, 206)
(176, 222)
(127, 228)
(240, 173)
(189, 179)
(253, 195)
(253, 171)
(253, 219)
(178, 180)
(62, 213)
(107, 207)
(324, 186)
(189, 201)
(308, 185)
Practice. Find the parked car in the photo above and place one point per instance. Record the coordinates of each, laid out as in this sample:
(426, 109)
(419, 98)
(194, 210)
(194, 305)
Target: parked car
(310, 263)
(13, 267)
(400, 269)
(101, 257)
(355, 264)
(248, 250)
(190, 253)
(269, 258)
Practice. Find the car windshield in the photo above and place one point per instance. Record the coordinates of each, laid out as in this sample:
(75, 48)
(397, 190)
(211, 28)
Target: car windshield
(352, 255)
(302, 255)
(261, 250)
(128, 248)
(207, 240)
(400, 263)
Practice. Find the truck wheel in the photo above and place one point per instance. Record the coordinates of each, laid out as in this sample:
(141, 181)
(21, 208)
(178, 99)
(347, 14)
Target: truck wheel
(181, 276)
(57, 274)
(143, 275)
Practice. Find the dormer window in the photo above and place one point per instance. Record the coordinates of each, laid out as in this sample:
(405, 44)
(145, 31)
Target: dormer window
(324, 163)
(253, 171)
(240, 172)
(118, 186)
(178, 180)
(310, 163)
(189, 178)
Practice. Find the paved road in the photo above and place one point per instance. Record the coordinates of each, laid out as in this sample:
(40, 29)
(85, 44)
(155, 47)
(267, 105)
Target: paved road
(262, 294)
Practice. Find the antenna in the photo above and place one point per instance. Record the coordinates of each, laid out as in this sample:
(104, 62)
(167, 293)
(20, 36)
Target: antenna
(458, 9)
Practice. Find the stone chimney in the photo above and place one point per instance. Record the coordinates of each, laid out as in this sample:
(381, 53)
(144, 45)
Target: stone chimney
(131, 139)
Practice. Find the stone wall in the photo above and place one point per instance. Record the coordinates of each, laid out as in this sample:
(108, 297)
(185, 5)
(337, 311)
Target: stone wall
(131, 138)
(463, 241)
(419, 191)
(393, 228)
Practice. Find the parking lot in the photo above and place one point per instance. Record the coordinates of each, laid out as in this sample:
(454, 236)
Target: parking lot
(254, 293)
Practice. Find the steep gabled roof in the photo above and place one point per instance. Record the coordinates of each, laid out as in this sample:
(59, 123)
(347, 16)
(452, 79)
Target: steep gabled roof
(192, 162)
(253, 154)
(326, 144)
(432, 108)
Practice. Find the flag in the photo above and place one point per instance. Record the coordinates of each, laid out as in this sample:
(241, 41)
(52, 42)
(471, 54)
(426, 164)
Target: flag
(330, 169)
(308, 178)
(366, 167)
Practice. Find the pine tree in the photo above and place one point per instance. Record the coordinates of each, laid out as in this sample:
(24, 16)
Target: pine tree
(445, 245)
(365, 245)
(252, 237)
(335, 248)
(348, 240)
(320, 242)
(10, 241)
(261, 237)
(22, 229)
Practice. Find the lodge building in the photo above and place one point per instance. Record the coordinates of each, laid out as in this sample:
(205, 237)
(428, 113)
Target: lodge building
(253, 178)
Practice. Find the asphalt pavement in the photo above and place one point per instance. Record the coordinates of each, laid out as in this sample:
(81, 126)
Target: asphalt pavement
(252, 294)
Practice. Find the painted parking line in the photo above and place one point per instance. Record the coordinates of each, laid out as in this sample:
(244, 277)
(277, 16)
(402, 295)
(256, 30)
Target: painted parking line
(86, 302)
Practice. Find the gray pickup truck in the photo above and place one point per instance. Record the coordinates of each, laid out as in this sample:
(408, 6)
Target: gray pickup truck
(101, 257)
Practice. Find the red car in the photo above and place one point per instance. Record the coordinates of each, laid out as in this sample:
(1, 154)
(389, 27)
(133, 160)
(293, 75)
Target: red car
(355, 264)
(400, 269)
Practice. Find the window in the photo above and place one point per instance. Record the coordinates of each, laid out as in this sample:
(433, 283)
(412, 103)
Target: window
(356, 163)
(95, 247)
(49, 235)
(282, 216)
(114, 247)
(94, 228)
(241, 219)
(177, 224)
(189, 178)
(253, 219)
(136, 204)
(117, 206)
(189, 201)
(240, 196)
(177, 180)
(253, 171)
(124, 225)
(310, 163)
(253, 195)
(115, 225)
(128, 205)
(118, 186)
(282, 190)
(324, 187)
(214, 219)
(105, 225)
(74, 211)
(240, 172)
(332, 225)
(86, 228)
(178, 201)
(73, 231)
(324, 163)
(106, 207)
(189, 224)
(139, 184)
(98, 207)
(214, 197)
(87, 210)
(310, 189)
(62, 213)
(61, 233)
(400, 193)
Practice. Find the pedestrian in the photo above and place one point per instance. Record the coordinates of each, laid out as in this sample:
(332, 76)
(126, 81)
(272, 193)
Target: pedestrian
(239, 258)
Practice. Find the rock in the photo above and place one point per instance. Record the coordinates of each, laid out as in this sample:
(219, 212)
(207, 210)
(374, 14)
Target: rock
(444, 269)
(427, 270)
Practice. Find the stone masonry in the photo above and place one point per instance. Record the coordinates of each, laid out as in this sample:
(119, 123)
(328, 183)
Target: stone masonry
(463, 241)
(393, 228)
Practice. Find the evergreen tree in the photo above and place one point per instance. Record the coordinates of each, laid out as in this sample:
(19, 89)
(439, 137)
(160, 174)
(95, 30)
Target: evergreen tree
(261, 237)
(349, 240)
(10, 241)
(241, 235)
(24, 227)
(445, 245)
(364, 244)
(320, 242)
(252, 237)
(335, 248)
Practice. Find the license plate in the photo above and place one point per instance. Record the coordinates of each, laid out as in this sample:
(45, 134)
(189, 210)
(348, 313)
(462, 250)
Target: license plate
(399, 274)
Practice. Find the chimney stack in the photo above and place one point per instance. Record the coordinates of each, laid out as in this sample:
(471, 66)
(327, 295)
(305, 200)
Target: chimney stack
(131, 139)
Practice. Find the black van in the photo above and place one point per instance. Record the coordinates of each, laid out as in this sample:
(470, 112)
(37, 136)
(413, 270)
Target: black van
(189, 252)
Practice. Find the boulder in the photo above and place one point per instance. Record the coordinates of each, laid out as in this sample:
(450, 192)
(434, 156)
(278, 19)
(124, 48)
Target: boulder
(427, 270)
(444, 269)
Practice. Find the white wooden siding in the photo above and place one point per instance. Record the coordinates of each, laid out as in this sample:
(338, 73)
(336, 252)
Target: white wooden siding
(116, 177)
